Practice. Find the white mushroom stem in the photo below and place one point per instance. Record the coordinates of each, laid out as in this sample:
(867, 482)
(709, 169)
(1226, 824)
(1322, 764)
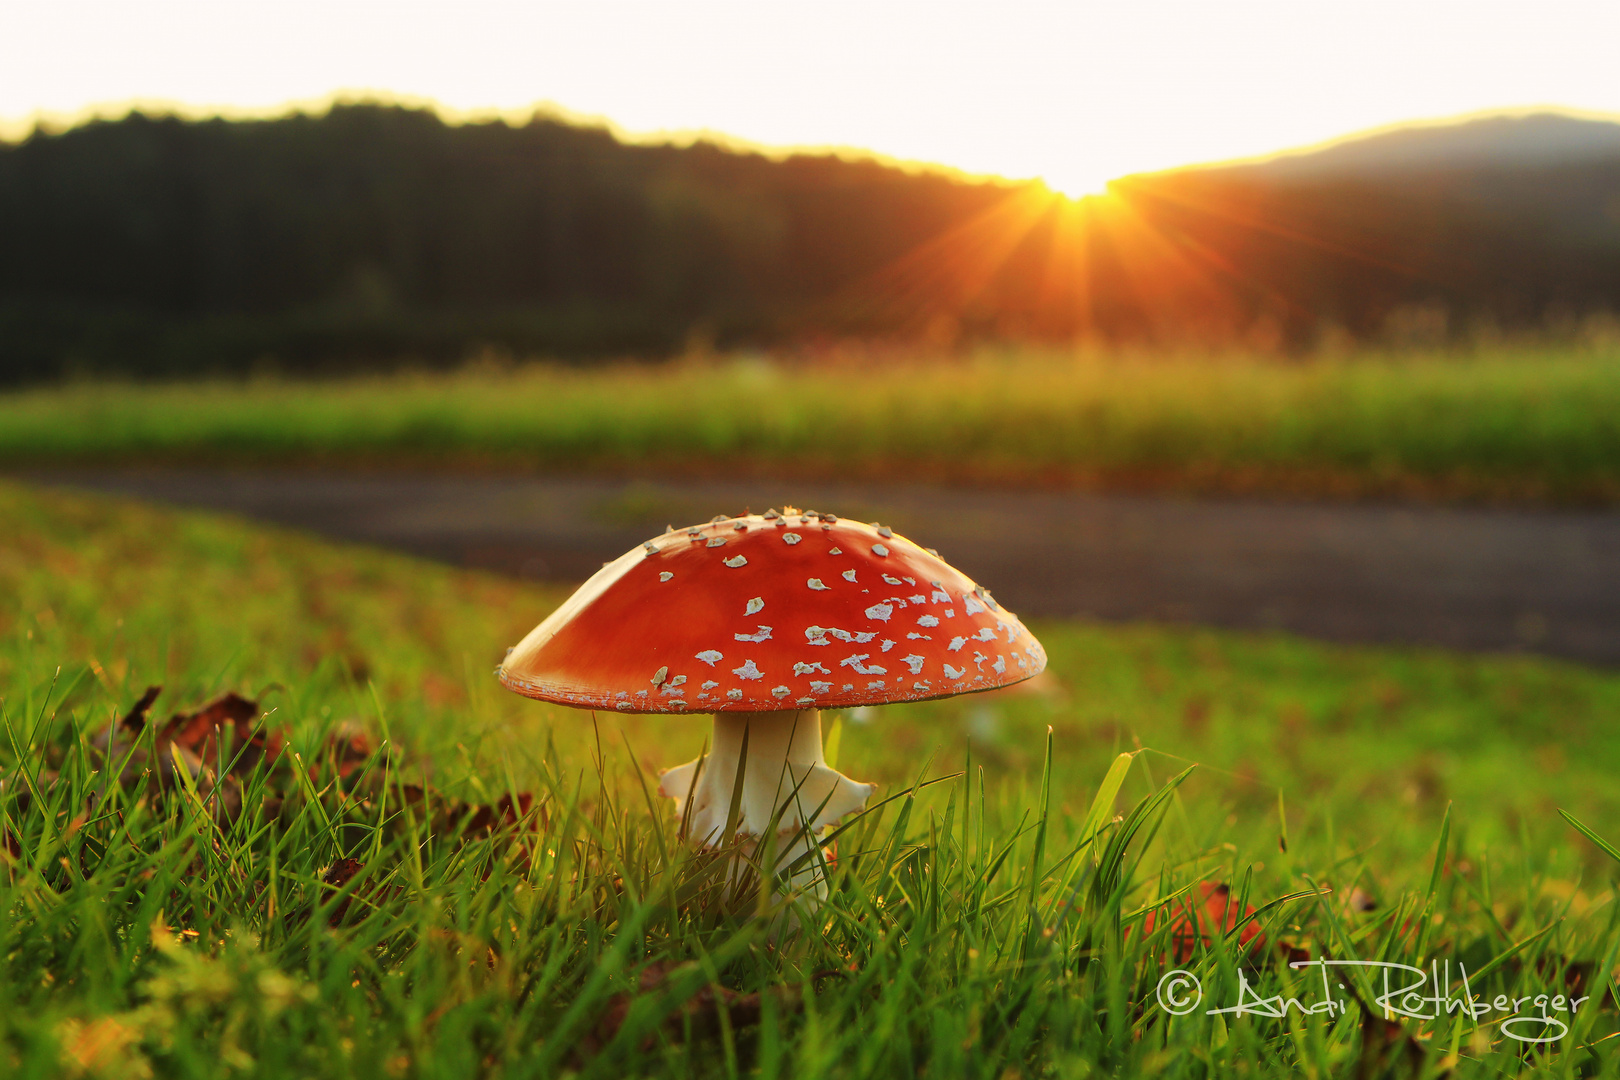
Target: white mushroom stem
(784, 770)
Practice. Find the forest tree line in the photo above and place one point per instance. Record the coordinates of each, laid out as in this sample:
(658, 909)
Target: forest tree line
(373, 234)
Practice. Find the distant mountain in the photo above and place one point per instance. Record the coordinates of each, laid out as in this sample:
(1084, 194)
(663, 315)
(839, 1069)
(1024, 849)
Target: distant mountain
(1498, 223)
(1488, 142)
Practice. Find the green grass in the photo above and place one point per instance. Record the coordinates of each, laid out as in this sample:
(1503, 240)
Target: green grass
(1510, 424)
(967, 933)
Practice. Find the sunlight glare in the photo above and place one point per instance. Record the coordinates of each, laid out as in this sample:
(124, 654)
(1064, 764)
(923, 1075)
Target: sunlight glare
(1077, 180)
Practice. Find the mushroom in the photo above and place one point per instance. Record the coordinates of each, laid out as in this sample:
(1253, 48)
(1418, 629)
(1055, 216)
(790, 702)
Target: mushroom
(764, 621)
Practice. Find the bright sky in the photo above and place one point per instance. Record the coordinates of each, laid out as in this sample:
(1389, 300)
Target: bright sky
(1076, 93)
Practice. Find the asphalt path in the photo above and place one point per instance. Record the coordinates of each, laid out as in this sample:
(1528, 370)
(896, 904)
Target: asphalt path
(1468, 578)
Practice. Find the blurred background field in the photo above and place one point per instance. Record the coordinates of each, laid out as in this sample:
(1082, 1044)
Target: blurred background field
(1510, 424)
(1425, 312)
(370, 234)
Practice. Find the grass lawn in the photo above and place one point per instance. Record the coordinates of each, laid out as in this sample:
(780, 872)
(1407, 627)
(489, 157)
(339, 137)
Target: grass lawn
(359, 906)
(1521, 424)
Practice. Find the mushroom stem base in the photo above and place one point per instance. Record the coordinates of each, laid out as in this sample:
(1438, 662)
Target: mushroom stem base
(784, 771)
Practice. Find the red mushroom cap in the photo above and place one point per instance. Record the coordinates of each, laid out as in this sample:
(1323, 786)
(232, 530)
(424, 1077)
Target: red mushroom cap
(772, 612)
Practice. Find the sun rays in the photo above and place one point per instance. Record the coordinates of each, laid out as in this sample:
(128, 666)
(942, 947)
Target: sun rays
(1171, 259)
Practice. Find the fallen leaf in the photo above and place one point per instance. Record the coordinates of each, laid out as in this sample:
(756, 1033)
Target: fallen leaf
(1195, 923)
(224, 729)
(1215, 911)
(134, 721)
(507, 813)
(1292, 954)
(339, 874)
(199, 733)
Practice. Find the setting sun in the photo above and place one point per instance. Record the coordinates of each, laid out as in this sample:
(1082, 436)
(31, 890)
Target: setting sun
(1078, 181)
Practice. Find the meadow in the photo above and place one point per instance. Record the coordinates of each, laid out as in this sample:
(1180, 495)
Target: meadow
(437, 878)
(1518, 423)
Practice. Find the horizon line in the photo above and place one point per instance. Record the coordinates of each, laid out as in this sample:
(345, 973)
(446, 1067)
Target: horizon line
(16, 130)
(1508, 112)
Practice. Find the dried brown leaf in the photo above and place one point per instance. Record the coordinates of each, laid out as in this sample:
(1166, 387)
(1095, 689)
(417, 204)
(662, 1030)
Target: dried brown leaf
(199, 733)
(134, 720)
(339, 874)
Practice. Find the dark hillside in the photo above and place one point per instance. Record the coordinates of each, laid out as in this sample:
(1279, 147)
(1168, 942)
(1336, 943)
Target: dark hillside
(377, 232)
(374, 234)
(1504, 222)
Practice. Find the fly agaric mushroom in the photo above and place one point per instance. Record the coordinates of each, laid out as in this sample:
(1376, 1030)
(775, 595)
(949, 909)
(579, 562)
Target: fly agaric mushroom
(763, 621)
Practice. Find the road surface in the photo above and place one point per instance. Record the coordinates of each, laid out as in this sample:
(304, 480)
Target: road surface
(1470, 578)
